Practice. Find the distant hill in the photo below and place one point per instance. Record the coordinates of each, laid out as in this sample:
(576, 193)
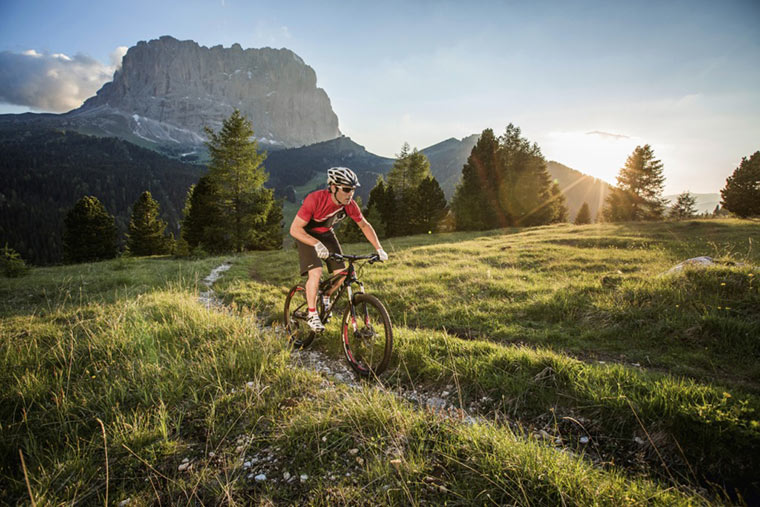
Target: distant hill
(705, 202)
(44, 172)
(296, 166)
(446, 161)
(579, 188)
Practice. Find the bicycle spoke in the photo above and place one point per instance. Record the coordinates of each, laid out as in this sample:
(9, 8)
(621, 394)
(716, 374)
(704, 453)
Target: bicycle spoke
(367, 339)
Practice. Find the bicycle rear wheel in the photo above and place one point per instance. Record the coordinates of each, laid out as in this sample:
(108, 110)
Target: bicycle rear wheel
(367, 335)
(294, 318)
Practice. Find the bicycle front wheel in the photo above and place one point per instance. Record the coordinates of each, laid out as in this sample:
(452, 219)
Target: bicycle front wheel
(295, 314)
(367, 335)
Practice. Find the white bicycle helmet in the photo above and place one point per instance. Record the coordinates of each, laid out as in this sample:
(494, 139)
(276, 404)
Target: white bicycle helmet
(342, 176)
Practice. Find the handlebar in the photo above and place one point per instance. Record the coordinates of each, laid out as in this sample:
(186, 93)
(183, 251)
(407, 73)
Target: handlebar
(372, 258)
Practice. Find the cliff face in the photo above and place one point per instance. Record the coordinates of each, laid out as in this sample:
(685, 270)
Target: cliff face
(169, 90)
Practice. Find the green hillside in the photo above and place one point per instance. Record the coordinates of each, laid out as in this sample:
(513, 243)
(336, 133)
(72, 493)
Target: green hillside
(43, 173)
(572, 369)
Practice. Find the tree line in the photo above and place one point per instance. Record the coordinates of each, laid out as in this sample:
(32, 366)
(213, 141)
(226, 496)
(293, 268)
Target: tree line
(43, 173)
(227, 210)
(504, 183)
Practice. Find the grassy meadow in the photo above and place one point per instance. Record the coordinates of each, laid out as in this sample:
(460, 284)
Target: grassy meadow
(595, 377)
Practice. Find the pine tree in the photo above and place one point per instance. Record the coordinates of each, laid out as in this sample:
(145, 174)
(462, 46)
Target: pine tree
(89, 232)
(268, 235)
(505, 183)
(584, 215)
(684, 207)
(428, 207)
(408, 171)
(640, 184)
(11, 263)
(404, 178)
(238, 175)
(372, 215)
(146, 229)
(382, 198)
(741, 195)
(475, 200)
(203, 225)
(525, 194)
(188, 197)
(348, 231)
(391, 213)
(558, 211)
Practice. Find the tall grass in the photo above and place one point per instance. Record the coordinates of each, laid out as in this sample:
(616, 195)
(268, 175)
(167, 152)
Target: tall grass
(156, 370)
(157, 400)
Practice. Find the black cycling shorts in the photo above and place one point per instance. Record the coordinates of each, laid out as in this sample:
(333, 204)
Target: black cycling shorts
(308, 254)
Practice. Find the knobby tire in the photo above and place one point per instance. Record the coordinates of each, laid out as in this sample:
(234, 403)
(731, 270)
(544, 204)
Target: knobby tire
(298, 331)
(368, 348)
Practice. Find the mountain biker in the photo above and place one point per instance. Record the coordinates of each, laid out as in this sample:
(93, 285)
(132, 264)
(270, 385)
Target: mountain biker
(312, 229)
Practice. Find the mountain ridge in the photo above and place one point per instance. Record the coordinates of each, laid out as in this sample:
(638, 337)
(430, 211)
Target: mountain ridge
(167, 91)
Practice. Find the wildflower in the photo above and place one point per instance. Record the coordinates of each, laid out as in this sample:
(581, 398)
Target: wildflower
(726, 395)
(722, 284)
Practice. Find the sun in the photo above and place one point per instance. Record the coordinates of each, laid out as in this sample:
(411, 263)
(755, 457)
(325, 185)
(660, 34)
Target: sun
(597, 153)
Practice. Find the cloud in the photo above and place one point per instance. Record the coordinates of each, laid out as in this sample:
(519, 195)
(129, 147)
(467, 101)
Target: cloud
(53, 82)
(607, 135)
(116, 57)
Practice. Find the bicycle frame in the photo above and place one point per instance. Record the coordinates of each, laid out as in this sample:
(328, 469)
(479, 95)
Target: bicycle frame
(350, 278)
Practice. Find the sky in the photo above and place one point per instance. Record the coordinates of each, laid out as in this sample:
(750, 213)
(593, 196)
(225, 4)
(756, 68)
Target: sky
(586, 80)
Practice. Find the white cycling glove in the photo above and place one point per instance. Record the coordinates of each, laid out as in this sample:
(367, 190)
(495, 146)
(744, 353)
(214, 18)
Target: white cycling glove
(381, 253)
(322, 251)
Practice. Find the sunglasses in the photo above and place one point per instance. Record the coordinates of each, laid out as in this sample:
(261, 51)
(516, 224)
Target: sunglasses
(347, 190)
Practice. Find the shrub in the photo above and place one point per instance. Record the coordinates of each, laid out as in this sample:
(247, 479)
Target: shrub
(11, 263)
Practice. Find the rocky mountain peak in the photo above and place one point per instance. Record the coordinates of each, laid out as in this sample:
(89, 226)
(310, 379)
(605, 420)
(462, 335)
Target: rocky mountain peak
(167, 86)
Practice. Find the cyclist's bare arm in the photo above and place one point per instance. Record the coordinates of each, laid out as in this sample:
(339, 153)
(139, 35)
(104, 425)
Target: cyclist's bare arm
(369, 233)
(298, 231)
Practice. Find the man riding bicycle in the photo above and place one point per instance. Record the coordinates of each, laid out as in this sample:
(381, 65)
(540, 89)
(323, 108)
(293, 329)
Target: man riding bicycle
(312, 228)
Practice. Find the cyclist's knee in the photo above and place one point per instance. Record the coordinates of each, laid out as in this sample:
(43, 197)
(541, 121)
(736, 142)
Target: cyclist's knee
(315, 273)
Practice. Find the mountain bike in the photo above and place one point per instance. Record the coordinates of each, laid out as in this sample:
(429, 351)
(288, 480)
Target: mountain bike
(366, 326)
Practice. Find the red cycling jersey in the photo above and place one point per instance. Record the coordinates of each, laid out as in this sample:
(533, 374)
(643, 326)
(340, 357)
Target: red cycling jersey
(321, 212)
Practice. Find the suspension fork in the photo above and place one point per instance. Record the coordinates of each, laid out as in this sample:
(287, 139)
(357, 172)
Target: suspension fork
(352, 308)
(365, 314)
(351, 278)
